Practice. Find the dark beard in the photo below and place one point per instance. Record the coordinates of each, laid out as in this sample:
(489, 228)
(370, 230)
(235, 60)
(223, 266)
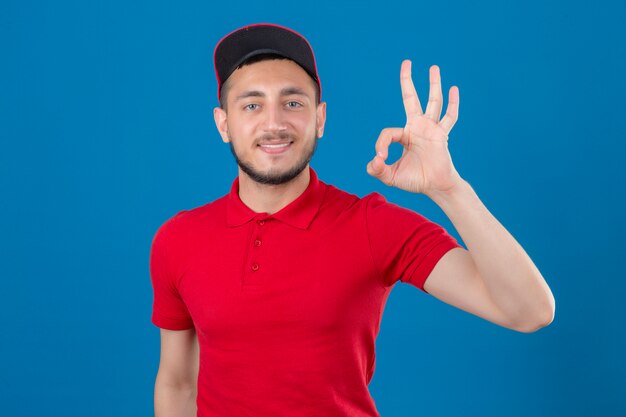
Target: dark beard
(271, 178)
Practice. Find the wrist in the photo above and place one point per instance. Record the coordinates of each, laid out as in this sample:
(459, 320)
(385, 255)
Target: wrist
(451, 195)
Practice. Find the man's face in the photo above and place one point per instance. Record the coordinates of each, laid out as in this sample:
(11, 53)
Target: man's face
(272, 122)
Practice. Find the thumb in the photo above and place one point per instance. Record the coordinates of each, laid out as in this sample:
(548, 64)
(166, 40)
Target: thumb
(378, 169)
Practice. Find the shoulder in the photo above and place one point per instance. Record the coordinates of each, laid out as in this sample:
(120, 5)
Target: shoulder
(373, 200)
(336, 196)
(208, 212)
(340, 203)
(373, 204)
(191, 219)
(377, 205)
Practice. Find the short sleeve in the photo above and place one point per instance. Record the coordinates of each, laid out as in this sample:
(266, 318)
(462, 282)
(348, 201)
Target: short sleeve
(168, 309)
(405, 245)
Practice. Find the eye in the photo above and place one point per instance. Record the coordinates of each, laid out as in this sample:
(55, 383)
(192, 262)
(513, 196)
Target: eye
(251, 106)
(293, 104)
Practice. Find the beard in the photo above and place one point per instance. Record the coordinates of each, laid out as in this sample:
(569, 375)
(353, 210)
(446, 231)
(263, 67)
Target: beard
(273, 176)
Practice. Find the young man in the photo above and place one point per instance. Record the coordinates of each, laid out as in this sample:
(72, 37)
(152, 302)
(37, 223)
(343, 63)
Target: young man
(269, 299)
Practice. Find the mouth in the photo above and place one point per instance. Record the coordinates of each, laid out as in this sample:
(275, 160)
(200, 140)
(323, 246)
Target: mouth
(275, 147)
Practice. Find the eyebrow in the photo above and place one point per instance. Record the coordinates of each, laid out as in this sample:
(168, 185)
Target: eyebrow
(291, 91)
(287, 91)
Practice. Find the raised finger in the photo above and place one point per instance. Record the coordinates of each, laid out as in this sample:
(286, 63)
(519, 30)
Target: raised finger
(412, 105)
(452, 112)
(435, 97)
(386, 137)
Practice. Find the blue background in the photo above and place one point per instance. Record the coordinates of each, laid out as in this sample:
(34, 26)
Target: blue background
(106, 131)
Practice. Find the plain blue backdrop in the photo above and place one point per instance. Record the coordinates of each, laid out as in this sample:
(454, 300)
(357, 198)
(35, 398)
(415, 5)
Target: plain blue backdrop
(106, 131)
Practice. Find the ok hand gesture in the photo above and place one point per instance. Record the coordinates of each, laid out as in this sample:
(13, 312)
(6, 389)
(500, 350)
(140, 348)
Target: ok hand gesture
(425, 165)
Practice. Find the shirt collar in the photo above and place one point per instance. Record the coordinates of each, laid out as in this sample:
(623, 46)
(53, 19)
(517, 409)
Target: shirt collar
(299, 213)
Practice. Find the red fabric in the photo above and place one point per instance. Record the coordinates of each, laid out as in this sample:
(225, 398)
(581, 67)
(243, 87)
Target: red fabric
(287, 306)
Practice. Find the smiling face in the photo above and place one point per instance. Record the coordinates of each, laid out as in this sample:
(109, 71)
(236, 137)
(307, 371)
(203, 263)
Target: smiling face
(272, 121)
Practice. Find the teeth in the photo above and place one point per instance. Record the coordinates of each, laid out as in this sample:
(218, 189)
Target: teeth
(282, 145)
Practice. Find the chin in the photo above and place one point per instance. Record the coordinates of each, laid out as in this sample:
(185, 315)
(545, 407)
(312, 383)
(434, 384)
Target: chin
(274, 176)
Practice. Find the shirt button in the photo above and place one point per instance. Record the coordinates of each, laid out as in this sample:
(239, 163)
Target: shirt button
(255, 267)
(257, 242)
(261, 222)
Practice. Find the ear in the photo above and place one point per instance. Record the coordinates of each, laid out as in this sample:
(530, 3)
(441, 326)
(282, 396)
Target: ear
(221, 119)
(320, 118)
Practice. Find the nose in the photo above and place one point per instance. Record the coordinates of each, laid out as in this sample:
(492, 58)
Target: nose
(274, 118)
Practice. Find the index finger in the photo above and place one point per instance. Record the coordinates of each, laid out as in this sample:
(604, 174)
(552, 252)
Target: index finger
(412, 105)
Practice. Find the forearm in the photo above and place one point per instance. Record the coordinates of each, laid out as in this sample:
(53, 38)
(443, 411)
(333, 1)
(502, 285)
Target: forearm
(511, 278)
(174, 400)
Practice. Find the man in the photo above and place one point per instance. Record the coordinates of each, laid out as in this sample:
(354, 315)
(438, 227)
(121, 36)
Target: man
(269, 299)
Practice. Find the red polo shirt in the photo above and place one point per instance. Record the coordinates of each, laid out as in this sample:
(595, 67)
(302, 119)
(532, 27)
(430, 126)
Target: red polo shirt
(287, 306)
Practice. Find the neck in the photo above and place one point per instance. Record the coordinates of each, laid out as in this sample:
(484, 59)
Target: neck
(265, 198)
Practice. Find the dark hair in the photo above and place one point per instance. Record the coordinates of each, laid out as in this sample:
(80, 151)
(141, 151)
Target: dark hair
(253, 60)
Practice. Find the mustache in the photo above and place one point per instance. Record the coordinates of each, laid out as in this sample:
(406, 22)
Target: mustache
(272, 137)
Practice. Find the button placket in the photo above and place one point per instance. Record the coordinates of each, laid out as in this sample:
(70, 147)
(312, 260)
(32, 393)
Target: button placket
(256, 244)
